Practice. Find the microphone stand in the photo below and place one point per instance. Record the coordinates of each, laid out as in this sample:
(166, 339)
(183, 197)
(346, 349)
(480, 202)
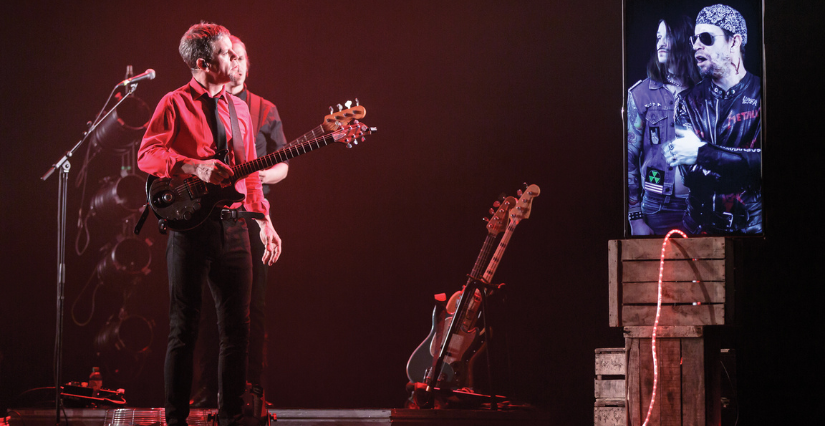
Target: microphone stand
(64, 165)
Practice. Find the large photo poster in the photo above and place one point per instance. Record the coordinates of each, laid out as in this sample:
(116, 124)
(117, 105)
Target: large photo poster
(693, 72)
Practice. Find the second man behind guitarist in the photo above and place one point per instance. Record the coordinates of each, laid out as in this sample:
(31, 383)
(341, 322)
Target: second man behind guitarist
(269, 137)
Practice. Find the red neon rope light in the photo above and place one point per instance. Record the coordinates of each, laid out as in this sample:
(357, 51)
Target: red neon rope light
(656, 322)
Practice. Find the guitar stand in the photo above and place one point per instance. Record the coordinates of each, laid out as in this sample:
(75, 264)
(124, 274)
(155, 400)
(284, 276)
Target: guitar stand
(438, 363)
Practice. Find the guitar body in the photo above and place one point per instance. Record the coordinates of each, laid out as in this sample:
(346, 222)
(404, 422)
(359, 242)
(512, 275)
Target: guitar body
(422, 358)
(465, 342)
(185, 203)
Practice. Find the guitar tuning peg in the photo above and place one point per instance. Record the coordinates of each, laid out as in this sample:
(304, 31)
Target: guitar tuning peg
(340, 107)
(496, 204)
(363, 138)
(356, 102)
(485, 219)
(331, 111)
(347, 104)
(492, 211)
(519, 192)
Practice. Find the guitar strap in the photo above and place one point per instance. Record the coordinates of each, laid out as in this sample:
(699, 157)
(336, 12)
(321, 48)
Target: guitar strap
(240, 155)
(255, 103)
(240, 158)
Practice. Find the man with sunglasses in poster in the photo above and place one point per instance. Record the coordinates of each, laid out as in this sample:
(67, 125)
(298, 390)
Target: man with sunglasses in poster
(718, 145)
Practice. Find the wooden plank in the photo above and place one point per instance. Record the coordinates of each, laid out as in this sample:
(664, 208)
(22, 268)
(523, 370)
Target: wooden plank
(610, 402)
(646, 382)
(669, 388)
(610, 363)
(732, 266)
(609, 416)
(634, 403)
(674, 270)
(674, 315)
(674, 292)
(609, 389)
(664, 331)
(614, 289)
(677, 248)
(693, 382)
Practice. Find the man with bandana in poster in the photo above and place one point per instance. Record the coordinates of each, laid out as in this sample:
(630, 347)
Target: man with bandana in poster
(718, 147)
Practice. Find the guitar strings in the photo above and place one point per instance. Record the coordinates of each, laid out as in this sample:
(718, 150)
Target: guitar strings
(195, 185)
(283, 154)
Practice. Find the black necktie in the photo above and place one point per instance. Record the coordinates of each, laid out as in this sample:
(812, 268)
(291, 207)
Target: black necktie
(218, 130)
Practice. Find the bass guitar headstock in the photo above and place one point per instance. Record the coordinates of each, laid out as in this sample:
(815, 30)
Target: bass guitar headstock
(524, 204)
(350, 134)
(498, 221)
(334, 120)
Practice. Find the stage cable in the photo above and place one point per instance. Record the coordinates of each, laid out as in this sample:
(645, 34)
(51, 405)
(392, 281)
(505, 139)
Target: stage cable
(92, 308)
(656, 322)
(733, 390)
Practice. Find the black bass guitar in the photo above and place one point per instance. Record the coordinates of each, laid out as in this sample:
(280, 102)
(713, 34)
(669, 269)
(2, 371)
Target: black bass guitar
(183, 204)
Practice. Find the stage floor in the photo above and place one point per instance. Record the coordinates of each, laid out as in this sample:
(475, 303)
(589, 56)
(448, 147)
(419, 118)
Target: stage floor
(301, 417)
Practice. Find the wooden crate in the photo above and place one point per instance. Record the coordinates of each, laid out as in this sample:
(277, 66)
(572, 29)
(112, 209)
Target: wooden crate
(697, 281)
(609, 387)
(688, 386)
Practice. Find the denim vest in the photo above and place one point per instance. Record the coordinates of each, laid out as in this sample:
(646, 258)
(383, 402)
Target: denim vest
(648, 171)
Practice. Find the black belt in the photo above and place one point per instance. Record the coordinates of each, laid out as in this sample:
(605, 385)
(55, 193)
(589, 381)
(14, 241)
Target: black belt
(239, 214)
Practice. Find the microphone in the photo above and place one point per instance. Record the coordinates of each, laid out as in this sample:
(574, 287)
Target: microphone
(146, 75)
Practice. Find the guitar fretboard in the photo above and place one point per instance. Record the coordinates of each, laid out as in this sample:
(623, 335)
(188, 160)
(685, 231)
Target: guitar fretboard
(502, 245)
(483, 257)
(292, 150)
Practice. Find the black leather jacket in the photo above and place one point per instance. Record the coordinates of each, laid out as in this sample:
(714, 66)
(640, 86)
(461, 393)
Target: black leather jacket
(726, 181)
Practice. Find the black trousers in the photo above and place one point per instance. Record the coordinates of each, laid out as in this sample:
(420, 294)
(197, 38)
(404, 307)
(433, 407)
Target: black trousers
(208, 364)
(257, 308)
(217, 252)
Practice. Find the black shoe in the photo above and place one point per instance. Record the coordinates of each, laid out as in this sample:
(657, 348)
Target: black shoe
(204, 398)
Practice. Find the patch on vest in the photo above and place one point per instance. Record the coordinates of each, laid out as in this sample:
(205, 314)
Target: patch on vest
(654, 181)
(654, 135)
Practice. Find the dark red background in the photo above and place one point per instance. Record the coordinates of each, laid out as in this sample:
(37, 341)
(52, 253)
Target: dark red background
(471, 98)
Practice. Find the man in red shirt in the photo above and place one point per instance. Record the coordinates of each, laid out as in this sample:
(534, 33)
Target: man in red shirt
(181, 141)
(269, 137)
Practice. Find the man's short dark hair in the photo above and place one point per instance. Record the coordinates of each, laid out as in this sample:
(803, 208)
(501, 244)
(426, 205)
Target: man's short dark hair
(198, 42)
(728, 36)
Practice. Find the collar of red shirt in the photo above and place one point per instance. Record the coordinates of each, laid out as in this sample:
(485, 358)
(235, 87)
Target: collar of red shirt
(198, 90)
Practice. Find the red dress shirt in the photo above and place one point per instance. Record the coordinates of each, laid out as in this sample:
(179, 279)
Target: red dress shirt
(179, 129)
